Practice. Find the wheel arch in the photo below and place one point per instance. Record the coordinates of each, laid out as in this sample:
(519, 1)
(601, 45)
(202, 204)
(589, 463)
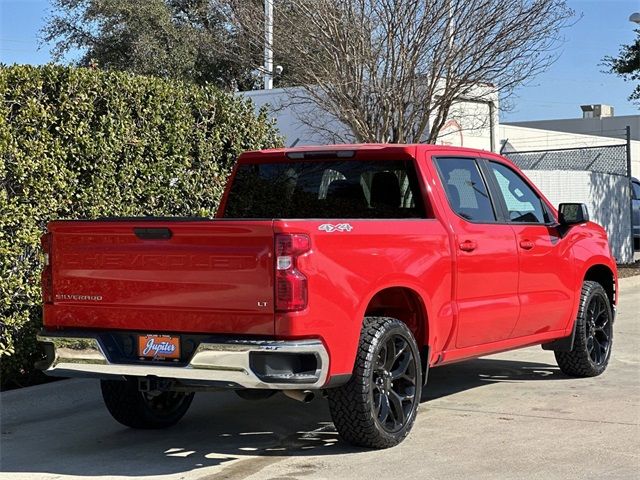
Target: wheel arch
(603, 275)
(403, 303)
(406, 304)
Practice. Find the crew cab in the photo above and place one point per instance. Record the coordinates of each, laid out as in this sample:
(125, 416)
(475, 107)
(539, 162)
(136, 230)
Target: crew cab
(349, 269)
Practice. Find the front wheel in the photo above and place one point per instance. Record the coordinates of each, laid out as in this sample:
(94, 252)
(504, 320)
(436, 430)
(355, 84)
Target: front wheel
(593, 339)
(378, 406)
(145, 410)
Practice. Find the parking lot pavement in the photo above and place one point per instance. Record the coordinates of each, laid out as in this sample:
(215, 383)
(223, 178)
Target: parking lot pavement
(508, 416)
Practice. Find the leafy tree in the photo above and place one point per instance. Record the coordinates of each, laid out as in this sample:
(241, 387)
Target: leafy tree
(180, 39)
(627, 65)
(84, 143)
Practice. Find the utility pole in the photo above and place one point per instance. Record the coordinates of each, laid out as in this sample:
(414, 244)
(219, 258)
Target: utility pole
(268, 44)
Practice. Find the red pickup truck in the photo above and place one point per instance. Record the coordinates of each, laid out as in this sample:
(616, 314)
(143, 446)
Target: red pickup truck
(347, 269)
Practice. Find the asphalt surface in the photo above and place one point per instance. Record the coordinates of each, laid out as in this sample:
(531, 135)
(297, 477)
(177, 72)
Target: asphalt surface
(508, 416)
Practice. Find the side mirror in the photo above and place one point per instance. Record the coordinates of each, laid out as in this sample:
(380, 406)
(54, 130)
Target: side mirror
(572, 213)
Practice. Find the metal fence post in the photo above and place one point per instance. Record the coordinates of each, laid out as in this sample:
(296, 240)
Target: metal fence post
(628, 136)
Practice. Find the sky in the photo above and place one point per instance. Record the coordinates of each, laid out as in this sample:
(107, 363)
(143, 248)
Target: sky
(575, 79)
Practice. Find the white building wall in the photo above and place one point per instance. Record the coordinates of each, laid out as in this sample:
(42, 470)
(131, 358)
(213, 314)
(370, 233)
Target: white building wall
(606, 197)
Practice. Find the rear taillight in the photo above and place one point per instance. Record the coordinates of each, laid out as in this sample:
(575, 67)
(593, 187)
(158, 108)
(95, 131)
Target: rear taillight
(291, 284)
(46, 279)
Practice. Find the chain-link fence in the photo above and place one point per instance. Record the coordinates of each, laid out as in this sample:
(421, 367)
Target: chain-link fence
(598, 176)
(611, 159)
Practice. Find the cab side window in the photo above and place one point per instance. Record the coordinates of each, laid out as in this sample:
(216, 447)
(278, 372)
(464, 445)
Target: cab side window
(467, 193)
(522, 202)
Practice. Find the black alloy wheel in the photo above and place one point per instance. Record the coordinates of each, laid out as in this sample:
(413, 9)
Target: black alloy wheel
(394, 383)
(163, 404)
(593, 336)
(377, 407)
(145, 410)
(599, 330)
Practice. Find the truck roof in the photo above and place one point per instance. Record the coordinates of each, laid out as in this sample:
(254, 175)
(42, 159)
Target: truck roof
(382, 149)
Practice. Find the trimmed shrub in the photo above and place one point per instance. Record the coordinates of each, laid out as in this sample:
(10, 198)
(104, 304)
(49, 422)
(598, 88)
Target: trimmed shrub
(83, 143)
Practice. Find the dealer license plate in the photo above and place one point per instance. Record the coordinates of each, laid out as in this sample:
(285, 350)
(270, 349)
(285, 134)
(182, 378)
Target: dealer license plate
(159, 347)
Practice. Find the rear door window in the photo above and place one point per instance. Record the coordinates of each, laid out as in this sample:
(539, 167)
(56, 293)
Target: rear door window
(466, 190)
(326, 189)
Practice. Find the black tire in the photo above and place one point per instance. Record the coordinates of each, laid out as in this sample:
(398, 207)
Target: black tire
(593, 335)
(378, 406)
(144, 410)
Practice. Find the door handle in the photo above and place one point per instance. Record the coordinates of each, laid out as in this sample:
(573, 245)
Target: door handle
(468, 246)
(526, 244)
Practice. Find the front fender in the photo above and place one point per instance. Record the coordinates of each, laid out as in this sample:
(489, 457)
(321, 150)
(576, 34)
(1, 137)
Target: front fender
(589, 248)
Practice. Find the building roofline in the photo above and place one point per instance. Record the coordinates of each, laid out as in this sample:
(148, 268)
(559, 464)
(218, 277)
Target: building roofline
(617, 117)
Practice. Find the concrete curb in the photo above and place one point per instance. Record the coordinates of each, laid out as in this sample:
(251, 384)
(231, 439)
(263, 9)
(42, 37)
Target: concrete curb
(628, 284)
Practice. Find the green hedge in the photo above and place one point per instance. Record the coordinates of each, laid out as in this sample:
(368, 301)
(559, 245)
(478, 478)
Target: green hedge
(82, 143)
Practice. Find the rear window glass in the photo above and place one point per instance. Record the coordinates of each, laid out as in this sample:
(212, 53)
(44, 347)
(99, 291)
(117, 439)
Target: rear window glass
(326, 189)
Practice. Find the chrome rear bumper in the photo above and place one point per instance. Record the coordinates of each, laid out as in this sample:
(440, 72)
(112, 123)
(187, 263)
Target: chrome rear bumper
(228, 364)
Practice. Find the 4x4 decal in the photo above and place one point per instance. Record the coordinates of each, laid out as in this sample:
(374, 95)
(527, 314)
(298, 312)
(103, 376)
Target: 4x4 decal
(338, 227)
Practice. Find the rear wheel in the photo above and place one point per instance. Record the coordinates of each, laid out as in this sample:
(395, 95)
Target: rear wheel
(377, 407)
(145, 410)
(593, 336)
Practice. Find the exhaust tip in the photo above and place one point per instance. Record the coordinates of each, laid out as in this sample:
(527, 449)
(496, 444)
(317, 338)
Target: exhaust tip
(304, 396)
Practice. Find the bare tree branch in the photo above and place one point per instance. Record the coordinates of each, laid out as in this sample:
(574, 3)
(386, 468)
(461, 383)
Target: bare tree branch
(392, 70)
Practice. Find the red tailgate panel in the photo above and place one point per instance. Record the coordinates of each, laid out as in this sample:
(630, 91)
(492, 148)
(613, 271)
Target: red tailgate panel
(207, 276)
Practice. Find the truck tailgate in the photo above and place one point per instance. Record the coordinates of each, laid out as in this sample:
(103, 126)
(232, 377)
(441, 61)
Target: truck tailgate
(167, 276)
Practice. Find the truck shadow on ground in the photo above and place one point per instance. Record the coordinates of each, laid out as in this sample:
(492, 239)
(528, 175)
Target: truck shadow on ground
(220, 430)
(458, 377)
